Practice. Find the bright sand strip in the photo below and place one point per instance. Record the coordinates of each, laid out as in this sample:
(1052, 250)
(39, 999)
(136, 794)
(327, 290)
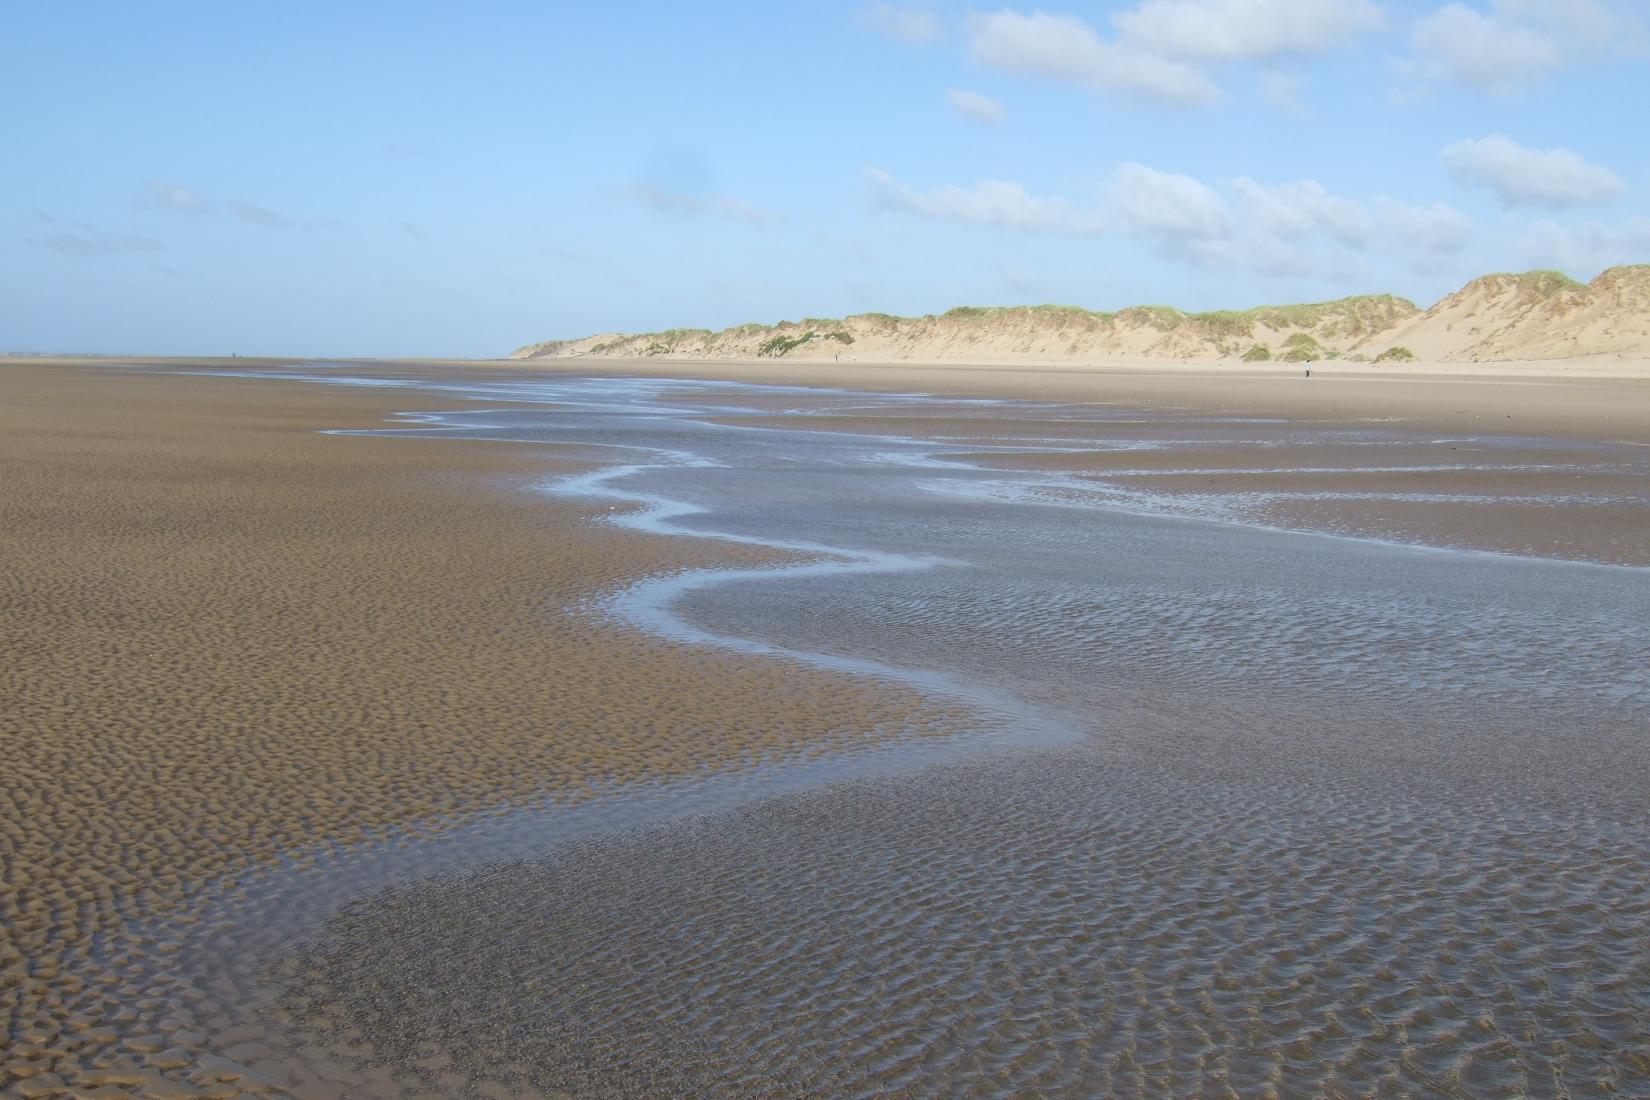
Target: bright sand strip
(229, 638)
(1585, 398)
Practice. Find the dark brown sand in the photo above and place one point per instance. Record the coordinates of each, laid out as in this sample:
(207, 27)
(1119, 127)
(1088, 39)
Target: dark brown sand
(232, 641)
(229, 639)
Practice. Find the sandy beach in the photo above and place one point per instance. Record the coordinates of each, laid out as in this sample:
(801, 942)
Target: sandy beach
(243, 649)
(1592, 398)
(232, 640)
(879, 551)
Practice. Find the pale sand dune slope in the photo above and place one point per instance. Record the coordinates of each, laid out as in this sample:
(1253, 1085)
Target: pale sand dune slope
(1539, 315)
(1496, 318)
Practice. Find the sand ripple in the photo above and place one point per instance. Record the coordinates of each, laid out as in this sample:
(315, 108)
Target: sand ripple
(1060, 927)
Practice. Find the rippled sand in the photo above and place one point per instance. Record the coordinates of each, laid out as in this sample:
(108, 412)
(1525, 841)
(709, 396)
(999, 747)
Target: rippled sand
(230, 641)
(420, 767)
(1064, 926)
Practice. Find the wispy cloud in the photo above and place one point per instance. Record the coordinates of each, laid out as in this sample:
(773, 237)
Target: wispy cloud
(1065, 48)
(1162, 50)
(1532, 177)
(1301, 208)
(975, 107)
(81, 239)
(159, 195)
(1294, 228)
(989, 202)
(911, 24)
(1506, 45)
(1585, 248)
(1245, 30)
(253, 214)
(1154, 203)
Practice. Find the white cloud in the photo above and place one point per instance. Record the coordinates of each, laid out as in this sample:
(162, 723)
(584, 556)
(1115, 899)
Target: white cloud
(989, 202)
(172, 196)
(1159, 45)
(1302, 208)
(1246, 30)
(974, 106)
(1506, 45)
(1584, 249)
(1291, 229)
(1160, 203)
(1418, 231)
(914, 26)
(1532, 177)
(1063, 47)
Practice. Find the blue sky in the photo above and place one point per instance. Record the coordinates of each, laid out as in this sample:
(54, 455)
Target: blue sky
(459, 179)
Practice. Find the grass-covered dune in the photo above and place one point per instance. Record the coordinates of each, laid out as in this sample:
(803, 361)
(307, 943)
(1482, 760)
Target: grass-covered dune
(1537, 314)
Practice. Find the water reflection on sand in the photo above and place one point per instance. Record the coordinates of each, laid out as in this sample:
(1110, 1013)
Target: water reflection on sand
(1327, 782)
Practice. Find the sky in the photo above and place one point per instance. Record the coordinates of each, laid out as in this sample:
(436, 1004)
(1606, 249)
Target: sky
(458, 179)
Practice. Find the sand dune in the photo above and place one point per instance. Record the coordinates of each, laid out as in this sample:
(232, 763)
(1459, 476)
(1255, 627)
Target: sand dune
(1538, 315)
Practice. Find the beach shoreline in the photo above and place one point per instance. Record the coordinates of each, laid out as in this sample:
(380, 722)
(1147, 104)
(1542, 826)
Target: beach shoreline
(1592, 398)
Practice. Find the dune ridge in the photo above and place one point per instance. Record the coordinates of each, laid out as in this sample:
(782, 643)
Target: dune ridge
(1535, 315)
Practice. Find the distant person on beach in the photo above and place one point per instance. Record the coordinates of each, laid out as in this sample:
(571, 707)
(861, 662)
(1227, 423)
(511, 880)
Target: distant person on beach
(1309, 372)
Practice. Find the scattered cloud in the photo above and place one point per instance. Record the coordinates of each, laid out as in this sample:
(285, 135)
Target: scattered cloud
(1064, 47)
(1160, 49)
(974, 106)
(79, 239)
(158, 195)
(989, 202)
(1532, 177)
(1586, 248)
(1246, 30)
(675, 202)
(258, 215)
(1153, 203)
(916, 26)
(1296, 228)
(253, 214)
(1299, 209)
(1504, 46)
(1420, 230)
(1283, 91)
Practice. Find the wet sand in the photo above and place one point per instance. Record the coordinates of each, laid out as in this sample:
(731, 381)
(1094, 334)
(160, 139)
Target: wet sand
(1068, 927)
(231, 640)
(1605, 399)
(1328, 816)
